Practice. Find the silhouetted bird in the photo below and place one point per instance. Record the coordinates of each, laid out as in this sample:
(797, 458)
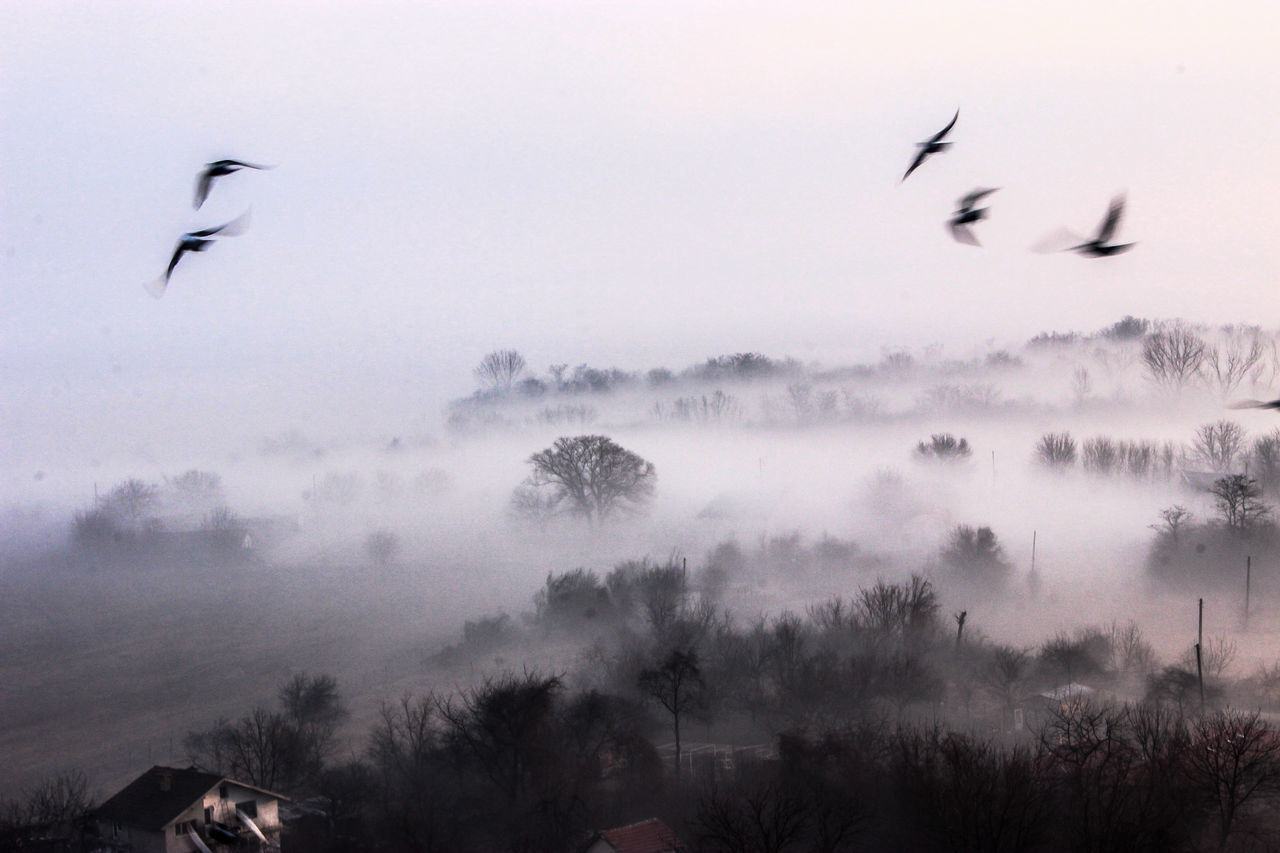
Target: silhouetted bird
(217, 169)
(1098, 247)
(967, 215)
(196, 241)
(931, 146)
(1255, 404)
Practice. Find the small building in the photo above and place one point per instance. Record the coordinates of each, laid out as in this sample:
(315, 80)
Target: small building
(647, 836)
(171, 810)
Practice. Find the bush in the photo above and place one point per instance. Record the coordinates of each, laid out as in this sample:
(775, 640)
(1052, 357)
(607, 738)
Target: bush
(382, 546)
(975, 552)
(944, 447)
(1126, 329)
(1264, 461)
(1056, 450)
(572, 598)
(92, 527)
(1101, 455)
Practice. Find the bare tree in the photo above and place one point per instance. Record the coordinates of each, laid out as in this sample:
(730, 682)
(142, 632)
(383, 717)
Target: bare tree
(590, 476)
(194, 490)
(314, 709)
(1234, 759)
(1264, 461)
(1219, 445)
(59, 801)
(759, 816)
(1173, 519)
(677, 685)
(1239, 501)
(1239, 355)
(500, 369)
(1173, 357)
(130, 502)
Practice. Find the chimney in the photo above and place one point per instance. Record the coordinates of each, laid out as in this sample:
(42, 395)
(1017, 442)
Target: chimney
(166, 780)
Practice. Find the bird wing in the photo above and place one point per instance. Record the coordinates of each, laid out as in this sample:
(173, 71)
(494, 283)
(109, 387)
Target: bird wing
(173, 262)
(974, 197)
(963, 234)
(937, 137)
(1254, 404)
(202, 186)
(915, 164)
(226, 229)
(157, 288)
(242, 164)
(1057, 241)
(1112, 219)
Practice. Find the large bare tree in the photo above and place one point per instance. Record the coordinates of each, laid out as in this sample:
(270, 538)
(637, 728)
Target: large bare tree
(591, 476)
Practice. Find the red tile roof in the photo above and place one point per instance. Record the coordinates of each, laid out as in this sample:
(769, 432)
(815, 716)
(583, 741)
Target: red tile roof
(647, 836)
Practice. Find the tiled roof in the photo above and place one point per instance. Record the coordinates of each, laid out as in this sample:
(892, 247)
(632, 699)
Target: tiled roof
(146, 804)
(647, 836)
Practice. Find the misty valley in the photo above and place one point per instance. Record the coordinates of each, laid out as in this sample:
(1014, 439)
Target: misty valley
(1027, 599)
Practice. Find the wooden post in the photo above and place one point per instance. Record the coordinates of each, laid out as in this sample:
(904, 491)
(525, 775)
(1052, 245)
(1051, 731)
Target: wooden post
(1248, 579)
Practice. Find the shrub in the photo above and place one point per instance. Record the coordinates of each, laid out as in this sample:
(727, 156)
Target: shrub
(1264, 461)
(1056, 450)
(944, 447)
(1126, 329)
(975, 552)
(1101, 455)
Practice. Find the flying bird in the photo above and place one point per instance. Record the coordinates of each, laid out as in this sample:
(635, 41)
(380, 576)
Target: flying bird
(196, 241)
(1098, 247)
(967, 215)
(931, 146)
(217, 169)
(1255, 404)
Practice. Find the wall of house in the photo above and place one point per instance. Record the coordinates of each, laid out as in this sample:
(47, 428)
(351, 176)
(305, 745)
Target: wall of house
(141, 842)
(224, 810)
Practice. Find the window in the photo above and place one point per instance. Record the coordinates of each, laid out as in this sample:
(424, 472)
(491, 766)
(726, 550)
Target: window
(208, 816)
(249, 807)
(222, 791)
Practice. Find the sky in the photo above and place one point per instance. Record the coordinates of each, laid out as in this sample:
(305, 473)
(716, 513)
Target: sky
(635, 184)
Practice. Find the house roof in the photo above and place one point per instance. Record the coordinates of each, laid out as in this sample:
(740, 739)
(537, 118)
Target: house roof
(156, 798)
(647, 836)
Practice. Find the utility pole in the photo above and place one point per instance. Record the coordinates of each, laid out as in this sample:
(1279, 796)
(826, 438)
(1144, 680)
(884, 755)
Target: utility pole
(1199, 661)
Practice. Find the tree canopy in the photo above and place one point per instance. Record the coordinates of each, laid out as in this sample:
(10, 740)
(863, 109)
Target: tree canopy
(589, 476)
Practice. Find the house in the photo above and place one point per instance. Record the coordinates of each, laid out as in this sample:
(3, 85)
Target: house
(171, 810)
(647, 836)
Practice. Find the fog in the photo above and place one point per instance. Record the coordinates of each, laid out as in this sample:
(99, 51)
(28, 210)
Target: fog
(817, 452)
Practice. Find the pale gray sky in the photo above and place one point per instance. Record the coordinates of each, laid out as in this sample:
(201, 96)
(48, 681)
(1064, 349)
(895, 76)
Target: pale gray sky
(642, 184)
